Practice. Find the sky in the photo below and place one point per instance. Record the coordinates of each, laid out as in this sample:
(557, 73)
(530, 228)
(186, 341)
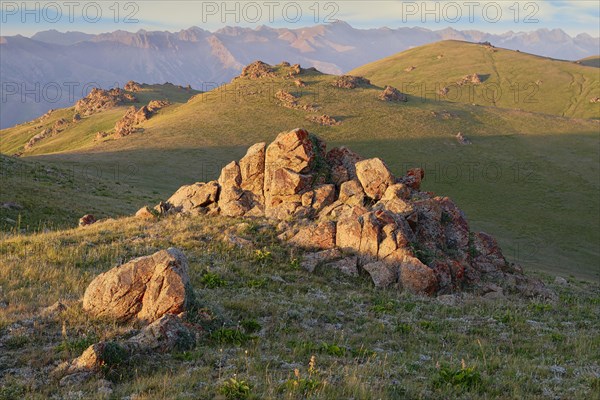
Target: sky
(27, 18)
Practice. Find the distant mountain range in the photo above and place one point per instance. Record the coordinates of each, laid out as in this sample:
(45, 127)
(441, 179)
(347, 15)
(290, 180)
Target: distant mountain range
(67, 63)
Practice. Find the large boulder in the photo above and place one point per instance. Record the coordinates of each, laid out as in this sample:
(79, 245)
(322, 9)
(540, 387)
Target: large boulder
(417, 277)
(145, 288)
(252, 169)
(316, 236)
(342, 162)
(190, 198)
(289, 169)
(383, 274)
(233, 202)
(374, 176)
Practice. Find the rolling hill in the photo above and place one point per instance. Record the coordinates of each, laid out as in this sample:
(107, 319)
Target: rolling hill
(509, 79)
(505, 180)
(593, 61)
(198, 57)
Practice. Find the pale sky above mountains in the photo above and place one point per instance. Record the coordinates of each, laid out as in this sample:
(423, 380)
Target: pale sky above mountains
(572, 16)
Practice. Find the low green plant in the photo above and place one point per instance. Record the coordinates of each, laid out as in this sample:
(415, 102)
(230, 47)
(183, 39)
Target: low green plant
(231, 336)
(464, 378)
(403, 328)
(333, 349)
(211, 280)
(250, 326)
(76, 346)
(16, 342)
(234, 389)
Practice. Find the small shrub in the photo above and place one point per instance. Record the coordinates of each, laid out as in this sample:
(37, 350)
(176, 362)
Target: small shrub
(384, 306)
(472, 250)
(113, 360)
(114, 355)
(557, 337)
(231, 336)
(333, 349)
(16, 342)
(424, 254)
(76, 346)
(250, 326)
(403, 328)
(212, 281)
(540, 307)
(236, 389)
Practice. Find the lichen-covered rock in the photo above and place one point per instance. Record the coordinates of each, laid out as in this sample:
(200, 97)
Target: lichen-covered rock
(289, 161)
(342, 162)
(374, 176)
(417, 277)
(190, 198)
(145, 288)
(310, 261)
(382, 273)
(316, 236)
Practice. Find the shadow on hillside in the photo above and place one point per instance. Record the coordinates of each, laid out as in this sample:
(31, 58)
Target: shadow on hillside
(515, 187)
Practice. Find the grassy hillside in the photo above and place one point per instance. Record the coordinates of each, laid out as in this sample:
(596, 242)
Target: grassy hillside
(529, 179)
(593, 61)
(81, 135)
(264, 319)
(46, 196)
(510, 79)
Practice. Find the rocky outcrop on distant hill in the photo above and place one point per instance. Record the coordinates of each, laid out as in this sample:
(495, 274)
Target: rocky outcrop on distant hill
(325, 120)
(58, 127)
(350, 82)
(257, 70)
(100, 99)
(390, 93)
(128, 124)
(132, 86)
(473, 79)
(352, 214)
(286, 98)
